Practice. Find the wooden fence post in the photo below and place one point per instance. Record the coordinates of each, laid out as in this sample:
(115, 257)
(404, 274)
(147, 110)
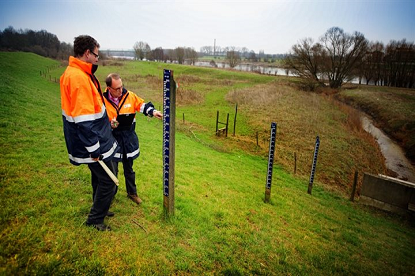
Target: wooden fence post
(354, 186)
(227, 123)
(295, 162)
(217, 122)
(234, 120)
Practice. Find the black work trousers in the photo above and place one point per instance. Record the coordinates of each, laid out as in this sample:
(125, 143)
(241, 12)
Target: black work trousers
(129, 174)
(103, 191)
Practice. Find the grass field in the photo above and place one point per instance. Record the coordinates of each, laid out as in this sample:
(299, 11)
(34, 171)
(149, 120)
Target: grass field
(301, 116)
(221, 224)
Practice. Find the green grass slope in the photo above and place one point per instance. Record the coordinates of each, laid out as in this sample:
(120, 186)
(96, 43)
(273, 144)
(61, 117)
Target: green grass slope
(221, 224)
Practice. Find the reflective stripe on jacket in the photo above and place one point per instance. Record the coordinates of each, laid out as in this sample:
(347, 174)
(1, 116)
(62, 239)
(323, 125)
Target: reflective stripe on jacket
(127, 139)
(85, 120)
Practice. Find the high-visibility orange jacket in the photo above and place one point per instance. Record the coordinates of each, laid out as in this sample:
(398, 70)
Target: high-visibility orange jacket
(85, 121)
(127, 138)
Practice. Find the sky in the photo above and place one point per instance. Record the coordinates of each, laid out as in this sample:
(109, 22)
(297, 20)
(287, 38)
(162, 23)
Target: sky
(269, 26)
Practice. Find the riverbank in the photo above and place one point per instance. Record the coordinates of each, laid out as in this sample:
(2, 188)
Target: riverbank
(392, 110)
(395, 159)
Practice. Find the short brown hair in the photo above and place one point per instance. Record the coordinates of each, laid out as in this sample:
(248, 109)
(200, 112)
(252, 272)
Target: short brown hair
(109, 78)
(83, 43)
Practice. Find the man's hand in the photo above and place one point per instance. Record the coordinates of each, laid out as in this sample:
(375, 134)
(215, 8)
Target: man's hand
(97, 158)
(114, 123)
(158, 114)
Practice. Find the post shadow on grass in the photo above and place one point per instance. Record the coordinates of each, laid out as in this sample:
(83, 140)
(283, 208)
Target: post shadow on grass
(169, 117)
(273, 133)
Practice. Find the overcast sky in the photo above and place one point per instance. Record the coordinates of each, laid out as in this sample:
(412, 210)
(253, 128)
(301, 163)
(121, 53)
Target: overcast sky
(272, 26)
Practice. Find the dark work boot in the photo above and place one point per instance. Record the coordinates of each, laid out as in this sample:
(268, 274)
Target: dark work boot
(99, 226)
(135, 198)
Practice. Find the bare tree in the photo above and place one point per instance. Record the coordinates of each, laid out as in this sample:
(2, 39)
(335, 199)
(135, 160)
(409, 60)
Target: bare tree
(377, 55)
(157, 54)
(252, 56)
(233, 58)
(147, 51)
(218, 50)
(333, 60)
(171, 54)
(191, 55)
(65, 50)
(344, 52)
(206, 50)
(305, 60)
(393, 65)
(141, 49)
(372, 62)
(261, 55)
(245, 52)
(180, 54)
(399, 63)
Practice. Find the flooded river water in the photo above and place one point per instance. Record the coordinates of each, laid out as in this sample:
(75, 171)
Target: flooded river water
(395, 158)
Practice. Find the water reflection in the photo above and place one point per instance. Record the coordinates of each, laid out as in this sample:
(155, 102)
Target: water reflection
(268, 70)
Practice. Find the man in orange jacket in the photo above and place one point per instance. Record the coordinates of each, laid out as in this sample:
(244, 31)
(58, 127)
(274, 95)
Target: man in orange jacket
(88, 134)
(120, 101)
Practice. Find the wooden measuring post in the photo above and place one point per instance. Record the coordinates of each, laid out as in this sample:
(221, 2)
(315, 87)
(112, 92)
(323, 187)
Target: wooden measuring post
(313, 167)
(169, 117)
(270, 161)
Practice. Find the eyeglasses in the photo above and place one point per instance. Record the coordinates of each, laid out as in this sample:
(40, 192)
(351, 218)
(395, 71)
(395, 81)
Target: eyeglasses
(92, 52)
(117, 89)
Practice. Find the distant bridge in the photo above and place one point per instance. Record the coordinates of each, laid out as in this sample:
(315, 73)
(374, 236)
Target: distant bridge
(119, 53)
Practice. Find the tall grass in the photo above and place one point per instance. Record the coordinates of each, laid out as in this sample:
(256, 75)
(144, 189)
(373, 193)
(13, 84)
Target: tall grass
(300, 117)
(221, 225)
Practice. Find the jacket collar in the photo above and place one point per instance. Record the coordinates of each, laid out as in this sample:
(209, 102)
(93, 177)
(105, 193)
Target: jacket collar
(123, 95)
(84, 66)
(124, 91)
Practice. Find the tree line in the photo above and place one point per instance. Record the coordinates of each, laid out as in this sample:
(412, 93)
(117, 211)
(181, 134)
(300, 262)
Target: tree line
(143, 50)
(38, 42)
(338, 57)
(335, 58)
(233, 55)
(241, 52)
